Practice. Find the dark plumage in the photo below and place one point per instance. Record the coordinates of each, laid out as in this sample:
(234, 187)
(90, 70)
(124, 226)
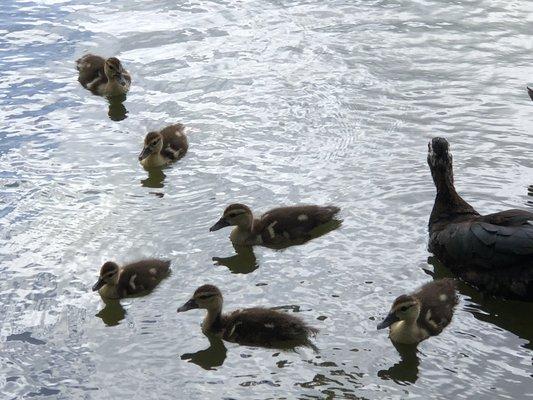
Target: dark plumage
(492, 252)
(277, 226)
(530, 92)
(252, 326)
(131, 279)
(164, 147)
(422, 314)
(104, 77)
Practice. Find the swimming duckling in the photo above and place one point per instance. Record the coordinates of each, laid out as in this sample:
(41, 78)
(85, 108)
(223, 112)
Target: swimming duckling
(103, 77)
(530, 92)
(141, 276)
(424, 313)
(164, 147)
(276, 226)
(492, 252)
(252, 326)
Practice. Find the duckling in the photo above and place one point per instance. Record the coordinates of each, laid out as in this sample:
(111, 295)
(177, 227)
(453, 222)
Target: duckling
(530, 92)
(424, 313)
(492, 252)
(132, 279)
(104, 77)
(252, 326)
(275, 227)
(164, 147)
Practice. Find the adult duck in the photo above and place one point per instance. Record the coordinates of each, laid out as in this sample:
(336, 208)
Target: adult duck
(492, 252)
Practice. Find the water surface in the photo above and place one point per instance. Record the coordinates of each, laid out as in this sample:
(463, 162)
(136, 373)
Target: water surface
(286, 102)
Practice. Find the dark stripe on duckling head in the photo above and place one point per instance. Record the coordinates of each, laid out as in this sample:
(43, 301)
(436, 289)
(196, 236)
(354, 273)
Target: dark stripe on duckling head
(207, 290)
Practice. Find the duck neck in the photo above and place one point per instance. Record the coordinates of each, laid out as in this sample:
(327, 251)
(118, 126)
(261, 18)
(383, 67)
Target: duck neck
(448, 203)
(213, 320)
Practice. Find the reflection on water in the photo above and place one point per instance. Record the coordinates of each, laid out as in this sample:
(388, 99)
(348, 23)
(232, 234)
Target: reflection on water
(211, 357)
(404, 371)
(117, 109)
(112, 313)
(243, 262)
(155, 178)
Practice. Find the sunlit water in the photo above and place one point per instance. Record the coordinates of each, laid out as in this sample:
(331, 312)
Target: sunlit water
(286, 103)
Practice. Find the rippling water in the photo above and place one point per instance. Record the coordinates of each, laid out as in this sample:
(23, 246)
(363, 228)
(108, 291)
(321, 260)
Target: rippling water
(286, 102)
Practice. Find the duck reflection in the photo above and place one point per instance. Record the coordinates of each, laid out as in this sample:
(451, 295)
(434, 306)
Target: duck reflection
(406, 370)
(155, 178)
(211, 357)
(243, 262)
(117, 111)
(513, 316)
(112, 313)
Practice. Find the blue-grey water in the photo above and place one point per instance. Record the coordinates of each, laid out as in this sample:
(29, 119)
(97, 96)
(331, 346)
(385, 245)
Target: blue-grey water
(286, 102)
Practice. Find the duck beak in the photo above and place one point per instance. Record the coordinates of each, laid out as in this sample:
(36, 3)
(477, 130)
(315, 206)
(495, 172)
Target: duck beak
(145, 153)
(98, 284)
(391, 319)
(190, 305)
(121, 79)
(221, 223)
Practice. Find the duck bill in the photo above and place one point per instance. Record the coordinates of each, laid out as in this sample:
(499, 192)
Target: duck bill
(190, 305)
(98, 284)
(391, 319)
(144, 153)
(221, 223)
(121, 79)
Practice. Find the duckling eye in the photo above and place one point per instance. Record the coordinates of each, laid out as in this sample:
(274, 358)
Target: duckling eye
(404, 308)
(154, 142)
(205, 296)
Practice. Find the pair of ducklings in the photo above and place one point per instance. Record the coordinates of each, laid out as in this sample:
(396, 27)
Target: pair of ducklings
(412, 318)
(107, 77)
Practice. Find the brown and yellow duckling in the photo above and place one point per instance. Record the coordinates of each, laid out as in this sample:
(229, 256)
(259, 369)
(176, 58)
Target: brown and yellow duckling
(132, 279)
(252, 326)
(164, 147)
(104, 77)
(424, 313)
(275, 227)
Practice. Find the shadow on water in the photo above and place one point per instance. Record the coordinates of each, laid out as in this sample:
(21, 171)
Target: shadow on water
(211, 357)
(404, 371)
(243, 262)
(112, 313)
(513, 316)
(155, 178)
(117, 110)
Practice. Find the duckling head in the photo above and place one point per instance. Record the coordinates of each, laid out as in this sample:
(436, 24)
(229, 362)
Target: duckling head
(235, 214)
(153, 144)
(108, 275)
(405, 308)
(113, 70)
(207, 297)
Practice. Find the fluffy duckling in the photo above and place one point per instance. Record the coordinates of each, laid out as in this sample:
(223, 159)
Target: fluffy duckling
(104, 77)
(252, 326)
(132, 279)
(275, 227)
(424, 313)
(164, 147)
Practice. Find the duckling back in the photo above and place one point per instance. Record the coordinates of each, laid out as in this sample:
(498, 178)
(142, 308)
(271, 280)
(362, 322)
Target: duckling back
(91, 69)
(142, 276)
(267, 327)
(438, 300)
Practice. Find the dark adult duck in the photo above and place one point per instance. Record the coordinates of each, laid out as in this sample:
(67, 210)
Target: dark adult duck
(492, 252)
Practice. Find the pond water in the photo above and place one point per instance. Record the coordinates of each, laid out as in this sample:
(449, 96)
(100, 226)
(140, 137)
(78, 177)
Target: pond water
(286, 102)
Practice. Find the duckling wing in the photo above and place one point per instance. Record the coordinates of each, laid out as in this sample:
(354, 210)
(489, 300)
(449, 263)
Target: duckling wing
(143, 275)
(262, 326)
(90, 69)
(438, 300)
(175, 143)
(294, 222)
